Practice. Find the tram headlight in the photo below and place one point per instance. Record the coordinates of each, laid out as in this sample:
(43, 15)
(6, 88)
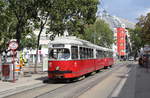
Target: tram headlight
(50, 65)
(57, 68)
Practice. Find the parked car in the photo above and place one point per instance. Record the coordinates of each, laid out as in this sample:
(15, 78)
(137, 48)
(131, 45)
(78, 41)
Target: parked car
(131, 59)
(143, 59)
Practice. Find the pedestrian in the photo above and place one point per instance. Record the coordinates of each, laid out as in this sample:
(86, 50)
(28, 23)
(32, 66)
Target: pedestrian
(21, 61)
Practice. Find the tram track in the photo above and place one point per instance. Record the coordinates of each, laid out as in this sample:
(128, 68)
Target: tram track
(79, 87)
(71, 90)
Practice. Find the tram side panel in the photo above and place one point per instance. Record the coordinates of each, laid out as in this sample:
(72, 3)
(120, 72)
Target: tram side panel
(70, 69)
(108, 62)
(99, 63)
(87, 66)
(108, 58)
(111, 61)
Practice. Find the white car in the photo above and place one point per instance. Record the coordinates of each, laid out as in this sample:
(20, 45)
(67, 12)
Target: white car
(131, 58)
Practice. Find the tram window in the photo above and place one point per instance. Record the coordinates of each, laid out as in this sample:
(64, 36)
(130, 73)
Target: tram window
(89, 53)
(99, 54)
(105, 54)
(74, 50)
(110, 54)
(53, 54)
(81, 53)
(59, 54)
(92, 56)
(86, 53)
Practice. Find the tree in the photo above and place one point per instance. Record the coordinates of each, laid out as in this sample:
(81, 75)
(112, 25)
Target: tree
(99, 33)
(23, 10)
(140, 36)
(135, 38)
(29, 41)
(144, 23)
(72, 15)
(40, 21)
(9, 22)
(58, 15)
(7, 27)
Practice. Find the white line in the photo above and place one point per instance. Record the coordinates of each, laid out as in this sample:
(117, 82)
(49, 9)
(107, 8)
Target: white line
(120, 86)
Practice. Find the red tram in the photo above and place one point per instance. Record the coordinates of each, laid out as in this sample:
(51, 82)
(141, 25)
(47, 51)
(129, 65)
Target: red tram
(70, 57)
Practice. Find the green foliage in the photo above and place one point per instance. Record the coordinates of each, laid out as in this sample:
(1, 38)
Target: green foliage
(14, 21)
(135, 38)
(18, 17)
(144, 24)
(141, 34)
(7, 23)
(22, 10)
(99, 33)
(72, 16)
(29, 41)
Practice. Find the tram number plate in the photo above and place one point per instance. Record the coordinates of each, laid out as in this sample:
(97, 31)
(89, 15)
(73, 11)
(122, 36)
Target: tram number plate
(58, 75)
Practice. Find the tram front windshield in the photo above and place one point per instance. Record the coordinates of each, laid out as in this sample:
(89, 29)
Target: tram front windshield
(59, 54)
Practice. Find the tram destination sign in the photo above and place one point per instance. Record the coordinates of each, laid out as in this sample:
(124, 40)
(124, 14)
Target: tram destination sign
(58, 45)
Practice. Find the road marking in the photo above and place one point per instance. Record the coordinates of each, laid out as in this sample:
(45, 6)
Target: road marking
(120, 86)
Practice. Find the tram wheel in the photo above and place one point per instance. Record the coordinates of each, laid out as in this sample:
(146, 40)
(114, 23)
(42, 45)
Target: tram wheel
(105, 67)
(110, 66)
(81, 77)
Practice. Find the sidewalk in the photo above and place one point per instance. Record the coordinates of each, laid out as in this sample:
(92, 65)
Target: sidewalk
(22, 84)
(142, 89)
(138, 84)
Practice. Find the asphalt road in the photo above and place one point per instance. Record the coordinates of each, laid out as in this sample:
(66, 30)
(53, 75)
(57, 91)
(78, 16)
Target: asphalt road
(104, 83)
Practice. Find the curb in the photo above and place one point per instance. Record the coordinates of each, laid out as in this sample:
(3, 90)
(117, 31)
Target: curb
(20, 89)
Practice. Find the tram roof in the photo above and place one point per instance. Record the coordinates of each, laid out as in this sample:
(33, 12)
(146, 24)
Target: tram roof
(76, 41)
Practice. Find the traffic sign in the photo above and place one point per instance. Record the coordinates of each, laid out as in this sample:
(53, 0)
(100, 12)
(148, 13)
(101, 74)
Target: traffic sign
(13, 45)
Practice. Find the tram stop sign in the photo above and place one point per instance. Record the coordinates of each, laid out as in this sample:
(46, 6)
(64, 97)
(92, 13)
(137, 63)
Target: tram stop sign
(13, 45)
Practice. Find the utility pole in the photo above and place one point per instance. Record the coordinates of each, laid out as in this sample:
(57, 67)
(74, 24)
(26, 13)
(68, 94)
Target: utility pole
(94, 37)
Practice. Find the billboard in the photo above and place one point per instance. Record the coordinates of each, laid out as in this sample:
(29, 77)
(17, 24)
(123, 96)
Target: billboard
(121, 41)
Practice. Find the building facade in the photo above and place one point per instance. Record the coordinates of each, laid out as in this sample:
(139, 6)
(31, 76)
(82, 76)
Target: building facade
(121, 41)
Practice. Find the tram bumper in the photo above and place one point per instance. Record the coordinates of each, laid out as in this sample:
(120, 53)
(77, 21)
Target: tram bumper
(59, 72)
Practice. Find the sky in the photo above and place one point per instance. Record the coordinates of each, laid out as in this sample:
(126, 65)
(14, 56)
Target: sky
(128, 9)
